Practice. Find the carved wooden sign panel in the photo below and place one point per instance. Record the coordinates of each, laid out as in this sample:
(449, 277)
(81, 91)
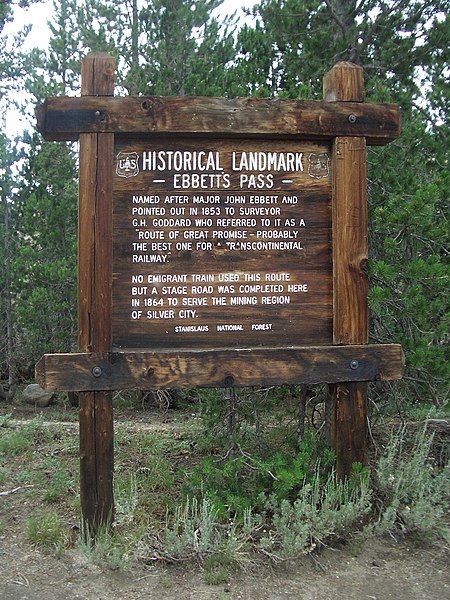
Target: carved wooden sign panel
(221, 243)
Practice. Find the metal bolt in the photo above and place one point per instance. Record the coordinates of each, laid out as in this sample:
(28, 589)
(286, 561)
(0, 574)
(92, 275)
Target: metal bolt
(354, 364)
(97, 371)
(352, 118)
(97, 113)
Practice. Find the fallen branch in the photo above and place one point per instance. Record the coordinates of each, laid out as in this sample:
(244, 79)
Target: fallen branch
(9, 492)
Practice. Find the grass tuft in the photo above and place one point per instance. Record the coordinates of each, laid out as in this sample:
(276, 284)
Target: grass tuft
(47, 531)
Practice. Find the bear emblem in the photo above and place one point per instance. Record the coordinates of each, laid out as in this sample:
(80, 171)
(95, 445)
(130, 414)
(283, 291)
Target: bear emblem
(318, 165)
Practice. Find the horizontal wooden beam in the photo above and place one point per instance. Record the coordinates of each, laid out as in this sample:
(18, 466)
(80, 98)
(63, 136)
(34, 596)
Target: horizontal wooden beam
(218, 368)
(65, 118)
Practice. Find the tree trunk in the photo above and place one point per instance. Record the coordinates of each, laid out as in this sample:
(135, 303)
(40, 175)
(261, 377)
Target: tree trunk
(7, 292)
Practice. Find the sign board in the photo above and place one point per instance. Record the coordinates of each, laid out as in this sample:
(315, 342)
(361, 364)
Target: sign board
(220, 243)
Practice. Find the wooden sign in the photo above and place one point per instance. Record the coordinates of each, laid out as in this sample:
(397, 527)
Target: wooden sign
(221, 243)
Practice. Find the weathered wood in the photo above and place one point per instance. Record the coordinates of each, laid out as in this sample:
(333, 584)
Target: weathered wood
(344, 83)
(97, 75)
(350, 314)
(65, 118)
(350, 245)
(219, 368)
(349, 426)
(270, 285)
(94, 299)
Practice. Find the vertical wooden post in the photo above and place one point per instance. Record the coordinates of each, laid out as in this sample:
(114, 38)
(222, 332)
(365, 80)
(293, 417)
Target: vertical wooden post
(94, 298)
(348, 407)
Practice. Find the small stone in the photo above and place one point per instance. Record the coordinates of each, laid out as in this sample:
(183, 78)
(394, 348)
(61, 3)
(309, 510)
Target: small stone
(375, 564)
(34, 394)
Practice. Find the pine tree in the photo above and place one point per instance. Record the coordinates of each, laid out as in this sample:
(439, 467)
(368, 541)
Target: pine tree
(163, 47)
(44, 208)
(403, 48)
(7, 159)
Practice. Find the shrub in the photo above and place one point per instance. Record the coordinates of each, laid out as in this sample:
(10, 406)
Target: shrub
(111, 548)
(235, 484)
(414, 492)
(320, 512)
(60, 485)
(195, 531)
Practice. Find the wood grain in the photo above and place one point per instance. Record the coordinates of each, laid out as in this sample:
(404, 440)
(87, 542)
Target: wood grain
(94, 299)
(65, 118)
(350, 242)
(344, 83)
(348, 402)
(305, 319)
(219, 368)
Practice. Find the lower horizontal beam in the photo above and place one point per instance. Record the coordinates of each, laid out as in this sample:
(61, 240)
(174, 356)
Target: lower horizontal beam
(218, 368)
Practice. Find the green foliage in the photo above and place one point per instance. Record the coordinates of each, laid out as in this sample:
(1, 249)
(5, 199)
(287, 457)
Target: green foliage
(409, 270)
(163, 47)
(47, 531)
(414, 491)
(114, 550)
(44, 267)
(217, 568)
(282, 529)
(61, 483)
(4, 474)
(23, 439)
(25, 476)
(236, 483)
(320, 512)
(408, 490)
(15, 442)
(125, 498)
(5, 420)
(194, 531)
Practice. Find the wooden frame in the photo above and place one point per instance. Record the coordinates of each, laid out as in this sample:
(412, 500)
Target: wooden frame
(341, 118)
(218, 368)
(65, 118)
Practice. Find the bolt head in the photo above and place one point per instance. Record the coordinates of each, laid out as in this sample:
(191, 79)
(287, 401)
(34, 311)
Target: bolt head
(354, 364)
(96, 371)
(352, 118)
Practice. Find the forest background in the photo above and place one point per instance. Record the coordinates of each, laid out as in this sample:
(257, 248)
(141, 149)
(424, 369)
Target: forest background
(179, 47)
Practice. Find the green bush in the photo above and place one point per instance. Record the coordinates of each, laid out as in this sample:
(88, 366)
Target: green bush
(236, 483)
(413, 490)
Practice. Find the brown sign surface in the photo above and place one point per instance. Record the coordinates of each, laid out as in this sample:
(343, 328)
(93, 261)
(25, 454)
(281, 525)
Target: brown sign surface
(221, 243)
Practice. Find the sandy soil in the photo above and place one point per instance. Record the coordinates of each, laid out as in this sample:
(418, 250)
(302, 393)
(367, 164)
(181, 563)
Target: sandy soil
(379, 569)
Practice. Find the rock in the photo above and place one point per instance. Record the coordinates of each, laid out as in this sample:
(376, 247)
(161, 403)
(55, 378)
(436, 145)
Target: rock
(34, 394)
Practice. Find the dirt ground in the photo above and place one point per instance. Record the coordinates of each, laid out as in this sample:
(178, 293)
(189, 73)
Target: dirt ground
(379, 569)
(374, 569)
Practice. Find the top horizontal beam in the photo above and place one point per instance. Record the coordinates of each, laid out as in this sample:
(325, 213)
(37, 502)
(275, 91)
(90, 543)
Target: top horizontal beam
(63, 119)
